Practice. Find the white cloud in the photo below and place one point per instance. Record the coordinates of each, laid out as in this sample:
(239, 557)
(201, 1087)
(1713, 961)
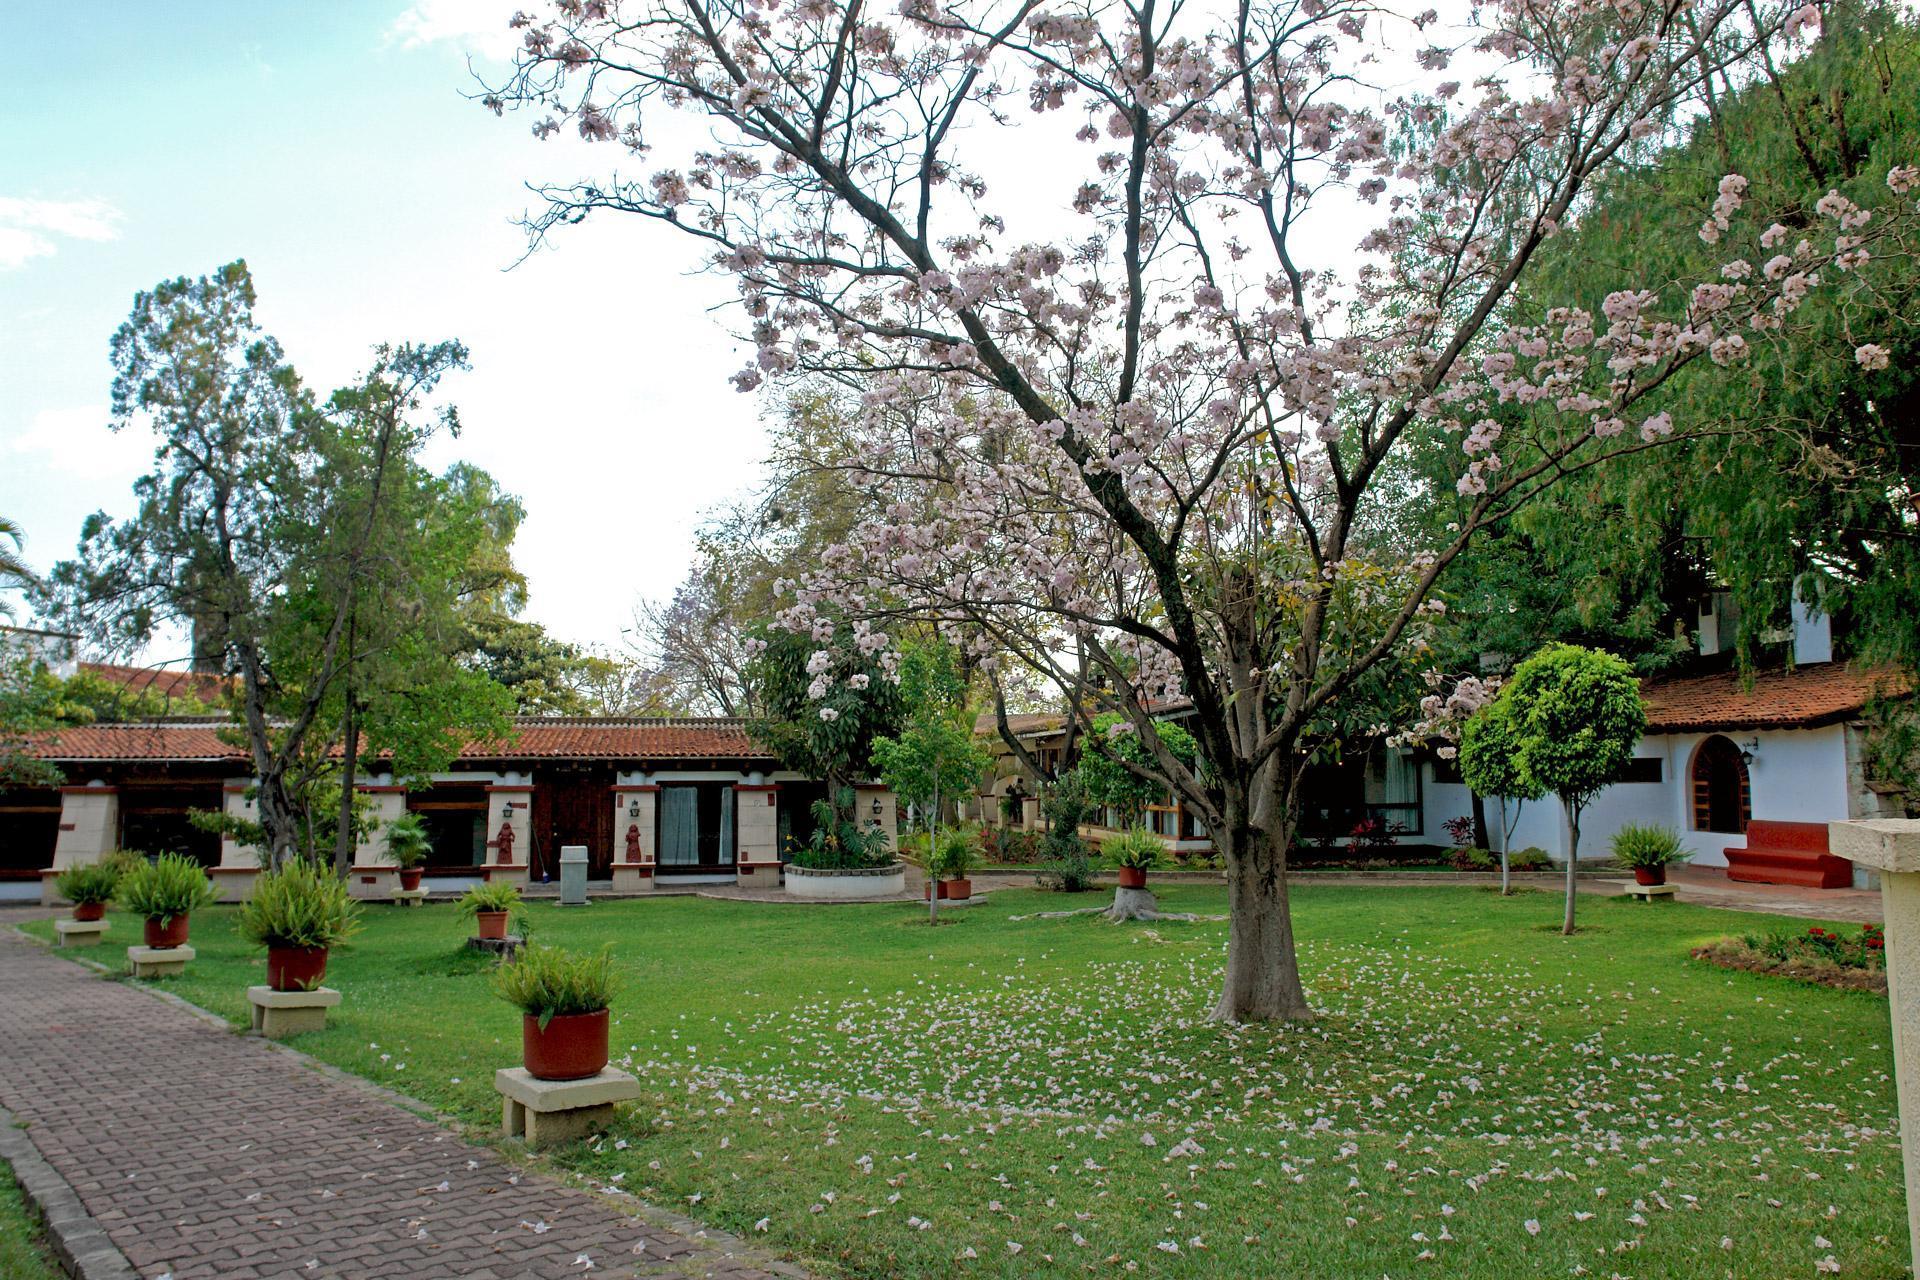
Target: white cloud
(475, 26)
(31, 228)
(76, 441)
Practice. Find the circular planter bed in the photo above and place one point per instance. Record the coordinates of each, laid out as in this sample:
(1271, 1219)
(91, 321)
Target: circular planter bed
(841, 883)
(1732, 953)
(572, 1047)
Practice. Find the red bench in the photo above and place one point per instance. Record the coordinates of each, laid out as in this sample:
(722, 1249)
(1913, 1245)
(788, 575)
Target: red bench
(1789, 853)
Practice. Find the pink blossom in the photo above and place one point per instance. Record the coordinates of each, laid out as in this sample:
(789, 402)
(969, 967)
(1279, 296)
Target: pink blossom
(1871, 356)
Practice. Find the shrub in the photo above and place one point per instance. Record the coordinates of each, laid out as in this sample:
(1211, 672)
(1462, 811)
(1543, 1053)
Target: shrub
(491, 895)
(300, 905)
(548, 983)
(1648, 846)
(1531, 858)
(954, 858)
(93, 881)
(1469, 858)
(839, 843)
(1068, 863)
(407, 841)
(1135, 847)
(1016, 848)
(171, 885)
(1459, 830)
(1864, 950)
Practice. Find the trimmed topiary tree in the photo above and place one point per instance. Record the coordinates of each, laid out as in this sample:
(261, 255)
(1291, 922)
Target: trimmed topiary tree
(1489, 765)
(1575, 718)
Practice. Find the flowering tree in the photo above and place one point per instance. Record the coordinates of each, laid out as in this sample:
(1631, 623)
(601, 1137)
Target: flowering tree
(1165, 419)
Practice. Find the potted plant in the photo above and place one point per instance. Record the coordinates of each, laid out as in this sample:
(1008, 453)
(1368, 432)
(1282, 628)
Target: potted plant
(563, 999)
(90, 886)
(1133, 852)
(490, 904)
(298, 913)
(1648, 850)
(950, 862)
(165, 892)
(409, 846)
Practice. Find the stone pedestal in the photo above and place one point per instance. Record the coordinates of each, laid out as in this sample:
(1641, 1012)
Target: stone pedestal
(1650, 892)
(277, 1014)
(79, 933)
(1891, 847)
(158, 962)
(546, 1112)
(409, 897)
(632, 877)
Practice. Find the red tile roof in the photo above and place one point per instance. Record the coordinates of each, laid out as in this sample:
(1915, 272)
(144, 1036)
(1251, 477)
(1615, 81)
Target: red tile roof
(535, 738)
(1805, 697)
(196, 686)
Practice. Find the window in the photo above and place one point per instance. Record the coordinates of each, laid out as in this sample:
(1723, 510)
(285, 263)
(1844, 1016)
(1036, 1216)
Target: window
(696, 825)
(1641, 769)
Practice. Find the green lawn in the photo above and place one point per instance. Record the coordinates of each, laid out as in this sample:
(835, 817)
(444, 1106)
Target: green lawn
(23, 1256)
(1009, 1098)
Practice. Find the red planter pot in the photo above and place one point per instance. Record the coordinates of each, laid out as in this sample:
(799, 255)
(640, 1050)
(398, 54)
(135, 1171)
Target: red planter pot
(167, 933)
(959, 888)
(573, 1047)
(296, 968)
(1649, 875)
(89, 910)
(491, 924)
(1133, 877)
(410, 877)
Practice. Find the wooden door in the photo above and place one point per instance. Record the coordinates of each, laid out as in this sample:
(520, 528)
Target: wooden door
(573, 807)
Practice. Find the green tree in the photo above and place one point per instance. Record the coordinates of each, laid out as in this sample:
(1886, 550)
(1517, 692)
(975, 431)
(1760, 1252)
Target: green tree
(14, 573)
(1116, 768)
(1572, 718)
(934, 758)
(1489, 765)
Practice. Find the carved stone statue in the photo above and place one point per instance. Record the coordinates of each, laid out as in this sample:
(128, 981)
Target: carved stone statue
(633, 842)
(504, 841)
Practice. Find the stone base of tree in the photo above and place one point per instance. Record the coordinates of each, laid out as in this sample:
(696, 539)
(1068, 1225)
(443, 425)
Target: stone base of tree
(409, 897)
(508, 946)
(545, 1112)
(79, 933)
(277, 1014)
(158, 962)
(1133, 904)
(845, 885)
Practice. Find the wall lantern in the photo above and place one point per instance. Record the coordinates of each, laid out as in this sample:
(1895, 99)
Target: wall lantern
(1750, 749)
(876, 806)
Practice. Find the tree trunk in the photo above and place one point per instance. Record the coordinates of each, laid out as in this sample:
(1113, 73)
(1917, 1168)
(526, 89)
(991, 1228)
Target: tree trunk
(1263, 972)
(1573, 860)
(350, 761)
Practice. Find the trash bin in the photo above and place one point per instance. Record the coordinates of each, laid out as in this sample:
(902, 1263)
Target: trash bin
(573, 875)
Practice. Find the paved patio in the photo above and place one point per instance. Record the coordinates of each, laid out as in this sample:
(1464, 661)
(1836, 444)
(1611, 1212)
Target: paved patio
(1709, 887)
(204, 1153)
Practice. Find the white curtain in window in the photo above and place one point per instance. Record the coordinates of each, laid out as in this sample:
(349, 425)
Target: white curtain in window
(726, 826)
(679, 826)
(1403, 779)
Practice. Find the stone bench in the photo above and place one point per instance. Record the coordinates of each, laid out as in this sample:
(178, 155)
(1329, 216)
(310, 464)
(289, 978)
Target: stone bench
(1788, 853)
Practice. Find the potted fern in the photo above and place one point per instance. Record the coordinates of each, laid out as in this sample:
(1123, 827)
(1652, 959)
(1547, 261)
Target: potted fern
(298, 913)
(1133, 852)
(490, 904)
(563, 999)
(409, 846)
(951, 860)
(90, 886)
(165, 893)
(1648, 851)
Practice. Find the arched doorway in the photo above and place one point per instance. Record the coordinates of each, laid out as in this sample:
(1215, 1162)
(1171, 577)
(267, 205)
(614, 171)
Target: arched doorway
(1722, 800)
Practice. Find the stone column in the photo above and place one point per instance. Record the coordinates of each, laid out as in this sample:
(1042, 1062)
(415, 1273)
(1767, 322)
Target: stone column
(509, 804)
(756, 846)
(1029, 813)
(374, 874)
(1891, 847)
(633, 837)
(888, 819)
(89, 831)
(239, 863)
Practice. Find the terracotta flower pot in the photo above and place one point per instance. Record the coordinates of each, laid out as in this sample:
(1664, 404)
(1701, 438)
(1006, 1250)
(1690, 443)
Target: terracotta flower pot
(573, 1047)
(89, 910)
(171, 932)
(410, 877)
(1649, 875)
(295, 968)
(491, 924)
(959, 888)
(1133, 877)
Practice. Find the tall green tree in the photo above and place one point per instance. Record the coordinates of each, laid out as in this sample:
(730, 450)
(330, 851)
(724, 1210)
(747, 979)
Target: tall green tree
(14, 573)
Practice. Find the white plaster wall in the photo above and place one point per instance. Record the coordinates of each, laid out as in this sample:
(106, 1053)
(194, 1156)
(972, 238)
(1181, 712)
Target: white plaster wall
(1797, 775)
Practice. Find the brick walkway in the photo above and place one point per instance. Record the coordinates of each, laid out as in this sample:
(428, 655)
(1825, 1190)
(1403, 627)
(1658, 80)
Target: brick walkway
(208, 1154)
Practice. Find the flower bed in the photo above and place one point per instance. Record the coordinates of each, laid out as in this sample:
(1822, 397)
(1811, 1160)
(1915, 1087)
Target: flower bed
(1848, 962)
(829, 883)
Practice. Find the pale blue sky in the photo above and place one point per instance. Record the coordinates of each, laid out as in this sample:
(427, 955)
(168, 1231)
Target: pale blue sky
(331, 147)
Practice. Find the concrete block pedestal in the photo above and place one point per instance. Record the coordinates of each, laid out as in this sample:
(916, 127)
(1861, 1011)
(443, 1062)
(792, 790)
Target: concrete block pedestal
(546, 1112)
(158, 962)
(1650, 892)
(289, 1013)
(409, 897)
(79, 933)
(1891, 847)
